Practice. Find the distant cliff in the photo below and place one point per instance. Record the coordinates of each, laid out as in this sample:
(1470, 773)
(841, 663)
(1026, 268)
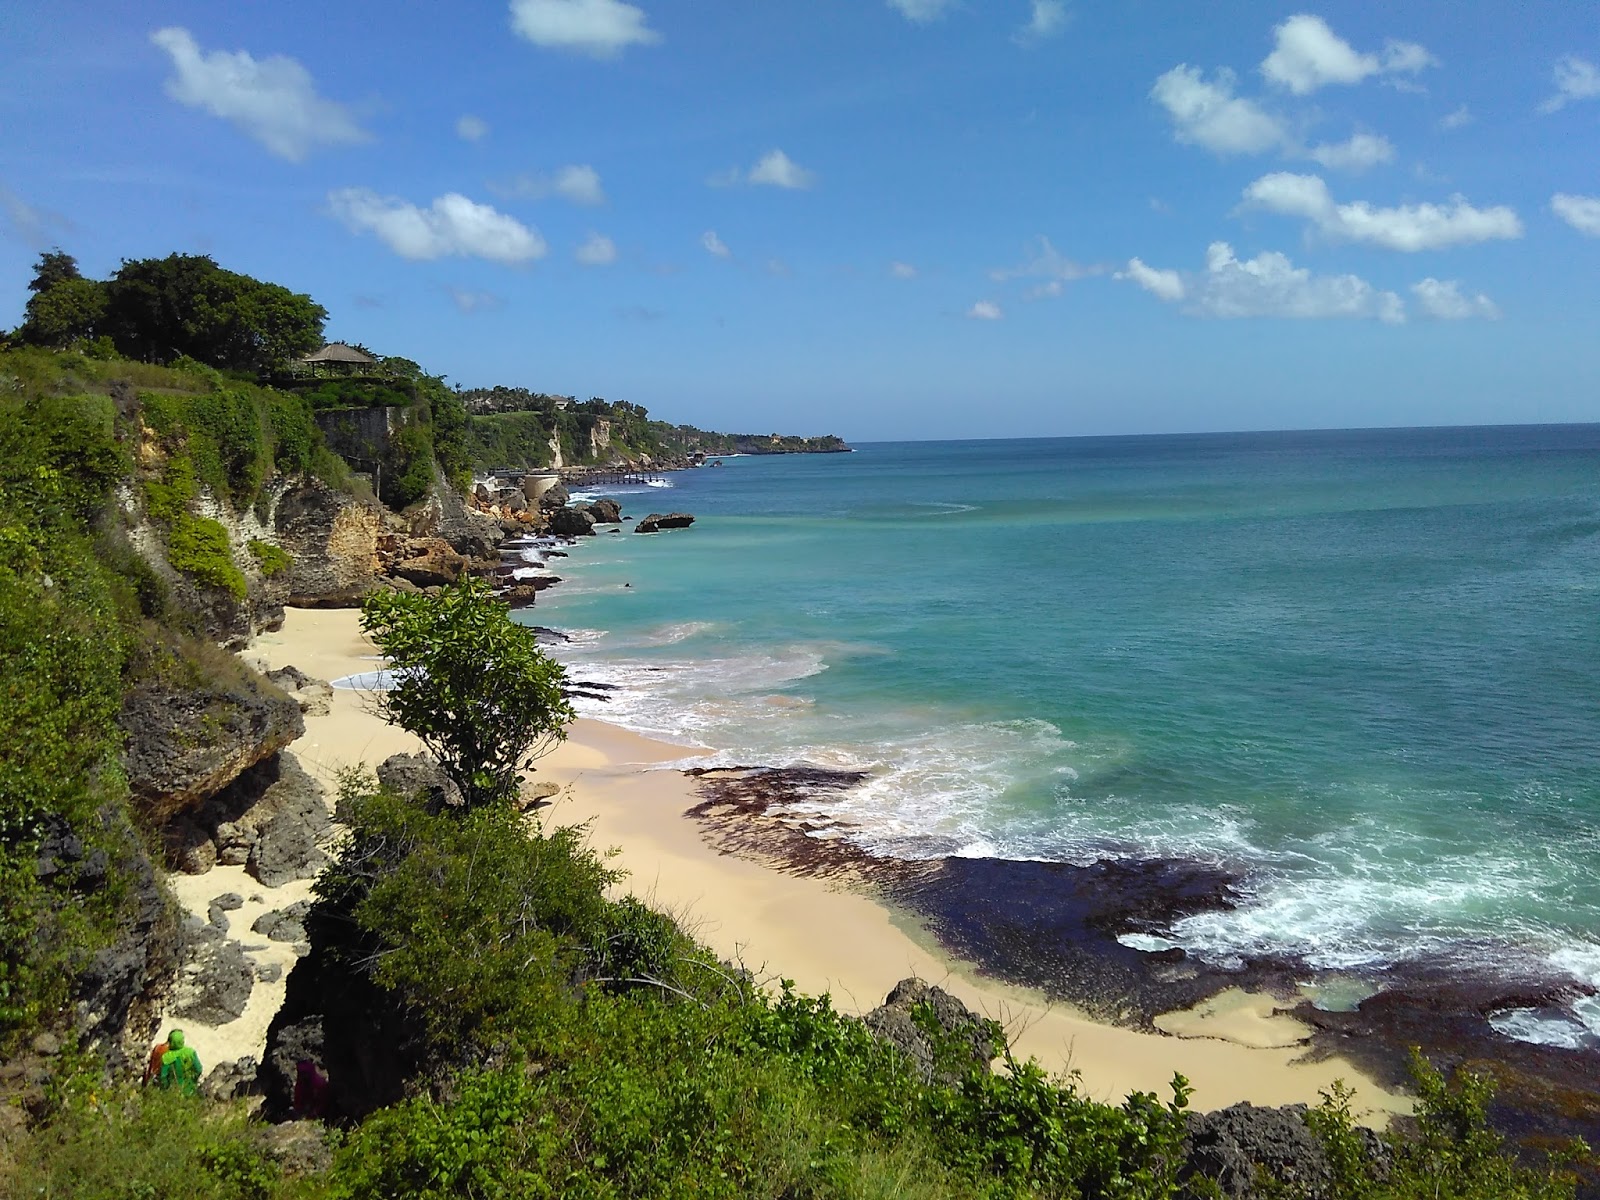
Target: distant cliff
(515, 427)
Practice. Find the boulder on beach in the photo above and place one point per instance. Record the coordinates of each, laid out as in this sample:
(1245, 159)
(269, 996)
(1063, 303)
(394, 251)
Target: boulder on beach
(656, 522)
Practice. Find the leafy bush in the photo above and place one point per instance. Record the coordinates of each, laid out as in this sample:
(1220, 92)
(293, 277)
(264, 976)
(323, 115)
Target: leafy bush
(1452, 1153)
(199, 546)
(168, 496)
(146, 1145)
(63, 640)
(273, 560)
(412, 476)
(470, 921)
(470, 682)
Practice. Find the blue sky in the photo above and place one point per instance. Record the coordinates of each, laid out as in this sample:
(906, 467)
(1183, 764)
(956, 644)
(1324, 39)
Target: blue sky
(881, 218)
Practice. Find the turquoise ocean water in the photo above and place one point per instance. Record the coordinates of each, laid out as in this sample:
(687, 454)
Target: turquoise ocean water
(1360, 667)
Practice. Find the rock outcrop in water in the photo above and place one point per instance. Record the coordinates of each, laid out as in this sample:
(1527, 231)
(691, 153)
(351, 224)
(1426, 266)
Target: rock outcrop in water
(656, 522)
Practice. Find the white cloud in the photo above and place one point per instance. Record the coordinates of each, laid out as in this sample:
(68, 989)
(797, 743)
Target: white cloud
(902, 270)
(1362, 151)
(470, 302)
(451, 226)
(1049, 18)
(1442, 300)
(31, 225)
(985, 310)
(1581, 212)
(1268, 285)
(1408, 228)
(1406, 58)
(1209, 114)
(471, 129)
(273, 100)
(597, 250)
(1043, 261)
(1460, 119)
(772, 169)
(776, 266)
(1162, 284)
(922, 11)
(578, 183)
(777, 169)
(1576, 79)
(715, 245)
(598, 28)
(1307, 55)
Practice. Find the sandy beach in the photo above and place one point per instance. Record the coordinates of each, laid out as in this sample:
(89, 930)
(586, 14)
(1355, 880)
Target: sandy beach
(825, 937)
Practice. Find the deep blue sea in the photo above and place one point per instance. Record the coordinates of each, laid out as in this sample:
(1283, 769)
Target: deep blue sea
(1360, 667)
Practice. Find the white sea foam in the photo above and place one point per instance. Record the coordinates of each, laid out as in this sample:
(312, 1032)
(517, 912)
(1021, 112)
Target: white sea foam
(1544, 1027)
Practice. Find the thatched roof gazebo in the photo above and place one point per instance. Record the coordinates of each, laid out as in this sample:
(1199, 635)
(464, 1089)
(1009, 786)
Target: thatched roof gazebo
(336, 358)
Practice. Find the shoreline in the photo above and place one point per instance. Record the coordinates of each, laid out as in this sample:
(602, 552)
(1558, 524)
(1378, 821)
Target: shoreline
(825, 935)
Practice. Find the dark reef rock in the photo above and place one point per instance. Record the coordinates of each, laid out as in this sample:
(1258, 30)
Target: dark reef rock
(556, 497)
(964, 1041)
(194, 721)
(230, 1080)
(656, 522)
(284, 924)
(362, 1038)
(269, 820)
(120, 991)
(419, 777)
(214, 978)
(289, 1042)
(1240, 1146)
(572, 522)
(286, 846)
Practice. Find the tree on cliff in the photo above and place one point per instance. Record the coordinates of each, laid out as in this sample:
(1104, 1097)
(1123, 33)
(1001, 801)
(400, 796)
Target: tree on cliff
(160, 308)
(471, 683)
(65, 307)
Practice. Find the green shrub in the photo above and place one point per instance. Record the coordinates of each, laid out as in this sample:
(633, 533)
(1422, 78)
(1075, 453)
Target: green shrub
(1451, 1154)
(273, 560)
(411, 478)
(199, 546)
(64, 618)
(471, 683)
(169, 496)
(126, 1144)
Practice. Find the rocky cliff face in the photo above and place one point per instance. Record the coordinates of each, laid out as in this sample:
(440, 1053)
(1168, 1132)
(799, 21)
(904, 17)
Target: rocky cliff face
(196, 718)
(337, 543)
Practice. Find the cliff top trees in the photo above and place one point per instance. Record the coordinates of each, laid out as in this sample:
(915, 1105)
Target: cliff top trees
(65, 307)
(185, 304)
(471, 683)
(158, 309)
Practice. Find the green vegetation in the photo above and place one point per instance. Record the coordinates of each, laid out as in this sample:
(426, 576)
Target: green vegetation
(471, 683)
(66, 618)
(273, 560)
(162, 309)
(199, 546)
(561, 1039)
(124, 1145)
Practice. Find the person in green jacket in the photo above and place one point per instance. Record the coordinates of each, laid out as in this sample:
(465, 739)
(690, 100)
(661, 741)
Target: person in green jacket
(180, 1065)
